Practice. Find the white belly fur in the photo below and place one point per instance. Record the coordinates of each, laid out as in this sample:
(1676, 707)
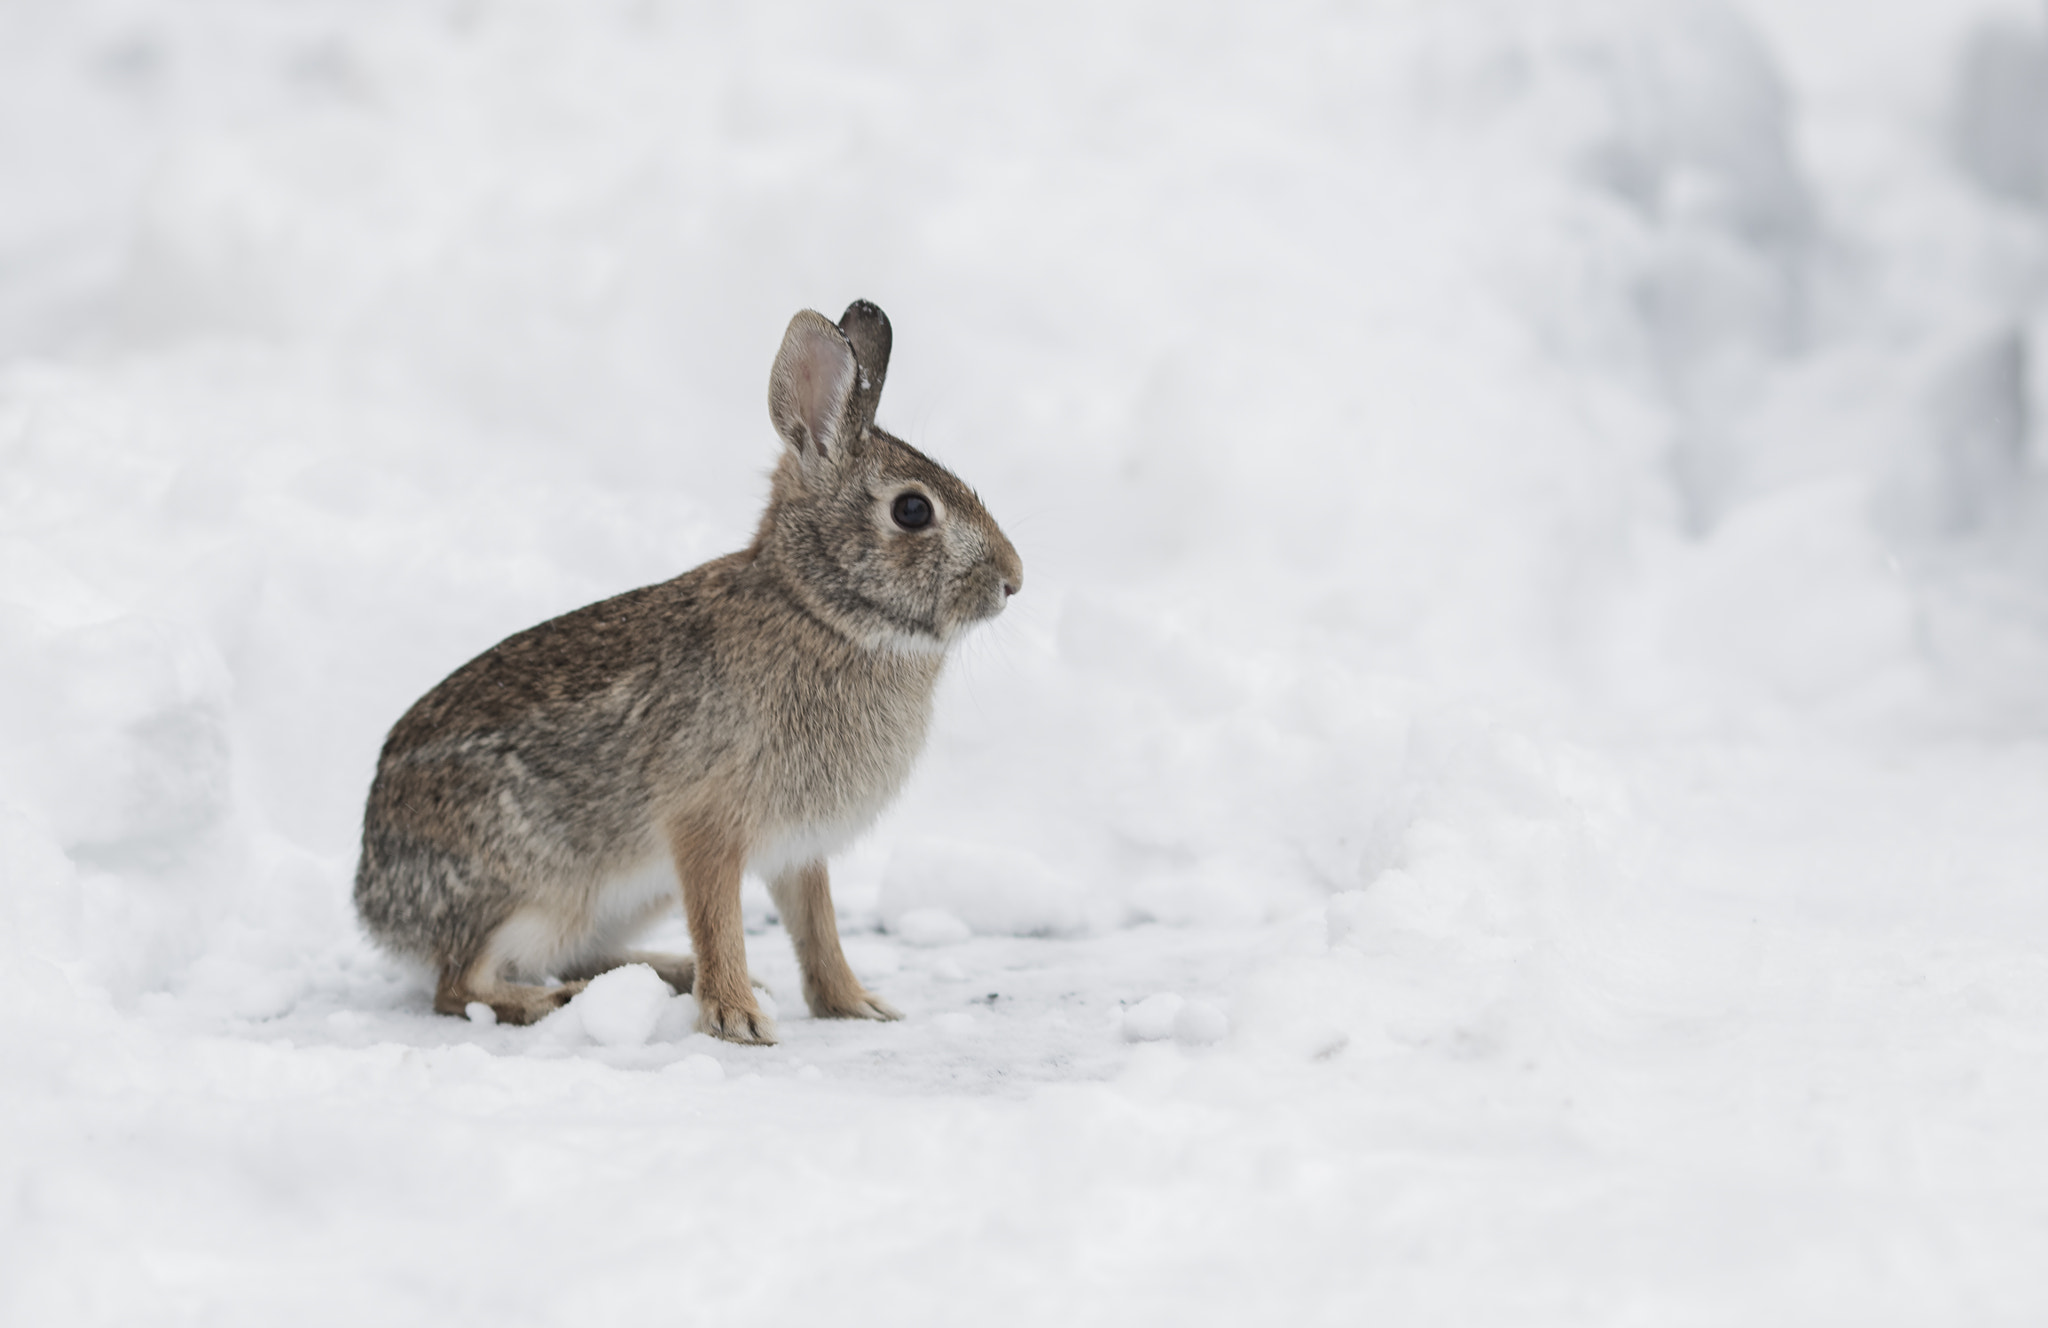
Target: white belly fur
(541, 939)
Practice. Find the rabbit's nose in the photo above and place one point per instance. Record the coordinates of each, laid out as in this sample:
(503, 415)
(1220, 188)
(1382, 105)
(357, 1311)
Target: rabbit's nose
(1009, 567)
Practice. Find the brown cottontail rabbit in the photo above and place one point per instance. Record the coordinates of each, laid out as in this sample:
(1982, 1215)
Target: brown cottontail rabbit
(756, 713)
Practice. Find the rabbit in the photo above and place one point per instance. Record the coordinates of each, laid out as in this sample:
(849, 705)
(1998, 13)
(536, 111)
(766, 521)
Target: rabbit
(756, 713)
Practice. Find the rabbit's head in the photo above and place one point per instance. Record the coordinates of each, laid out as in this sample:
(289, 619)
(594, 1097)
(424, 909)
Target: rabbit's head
(877, 538)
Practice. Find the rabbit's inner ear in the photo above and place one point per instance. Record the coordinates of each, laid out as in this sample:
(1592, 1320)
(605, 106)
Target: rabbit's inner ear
(814, 375)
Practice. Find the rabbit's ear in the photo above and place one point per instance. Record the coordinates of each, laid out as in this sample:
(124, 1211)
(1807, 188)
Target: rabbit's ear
(867, 329)
(808, 391)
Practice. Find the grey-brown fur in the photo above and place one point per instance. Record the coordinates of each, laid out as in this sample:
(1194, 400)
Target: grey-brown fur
(755, 712)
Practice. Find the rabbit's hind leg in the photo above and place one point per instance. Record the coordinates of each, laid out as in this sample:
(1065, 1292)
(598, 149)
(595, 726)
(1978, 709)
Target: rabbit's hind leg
(513, 946)
(511, 1002)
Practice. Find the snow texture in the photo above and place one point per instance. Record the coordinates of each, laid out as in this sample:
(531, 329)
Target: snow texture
(623, 1007)
(1516, 789)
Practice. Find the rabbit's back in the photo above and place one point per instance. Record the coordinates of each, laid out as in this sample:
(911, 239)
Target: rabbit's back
(567, 672)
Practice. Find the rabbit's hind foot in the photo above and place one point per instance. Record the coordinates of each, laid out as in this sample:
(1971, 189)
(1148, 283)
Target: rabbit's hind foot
(511, 1002)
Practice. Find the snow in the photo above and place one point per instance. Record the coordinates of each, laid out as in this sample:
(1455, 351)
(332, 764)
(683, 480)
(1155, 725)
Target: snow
(1152, 1018)
(1165, 1015)
(1516, 788)
(622, 1008)
(929, 927)
(935, 891)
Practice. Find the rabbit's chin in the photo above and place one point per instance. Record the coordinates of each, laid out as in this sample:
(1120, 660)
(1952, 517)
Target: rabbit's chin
(936, 642)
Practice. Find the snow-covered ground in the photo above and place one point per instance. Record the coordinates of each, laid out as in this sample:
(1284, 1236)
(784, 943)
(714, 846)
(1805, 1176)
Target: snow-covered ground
(1516, 791)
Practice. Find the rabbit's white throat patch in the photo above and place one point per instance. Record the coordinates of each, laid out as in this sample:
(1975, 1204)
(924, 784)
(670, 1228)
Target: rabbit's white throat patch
(908, 643)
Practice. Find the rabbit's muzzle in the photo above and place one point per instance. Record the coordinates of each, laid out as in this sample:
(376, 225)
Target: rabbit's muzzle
(994, 579)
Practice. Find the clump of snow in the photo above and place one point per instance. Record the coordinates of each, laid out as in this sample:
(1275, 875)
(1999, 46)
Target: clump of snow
(678, 1020)
(1153, 1018)
(1166, 1014)
(621, 1008)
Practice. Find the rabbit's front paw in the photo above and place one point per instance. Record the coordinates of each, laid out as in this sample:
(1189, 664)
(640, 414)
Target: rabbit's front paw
(735, 1023)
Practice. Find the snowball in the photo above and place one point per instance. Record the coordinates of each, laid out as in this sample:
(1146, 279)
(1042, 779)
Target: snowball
(479, 1013)
(930, 926)
(622, 1007)
(1152, 1019)
(678, 1020)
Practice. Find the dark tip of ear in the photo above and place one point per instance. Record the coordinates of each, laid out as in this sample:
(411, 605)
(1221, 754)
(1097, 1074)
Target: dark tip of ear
(867, 331)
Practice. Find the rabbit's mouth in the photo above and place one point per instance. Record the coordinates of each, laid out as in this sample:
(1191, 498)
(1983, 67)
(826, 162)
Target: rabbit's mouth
(986, 589)
(976, 602)
(985, 594)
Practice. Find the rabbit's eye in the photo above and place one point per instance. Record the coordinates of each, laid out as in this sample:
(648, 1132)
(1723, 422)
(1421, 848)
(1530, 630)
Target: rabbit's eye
(913, 511)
